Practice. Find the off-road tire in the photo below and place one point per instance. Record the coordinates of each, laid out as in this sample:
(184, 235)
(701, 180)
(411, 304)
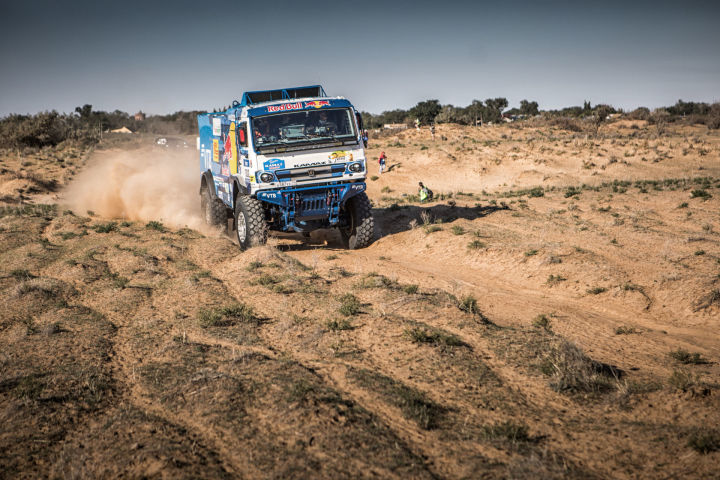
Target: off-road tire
(360, 228)
(213, 210)
(250, 226)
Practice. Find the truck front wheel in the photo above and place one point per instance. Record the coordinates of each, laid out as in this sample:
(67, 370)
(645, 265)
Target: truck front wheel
(250, 226)
(359, 227)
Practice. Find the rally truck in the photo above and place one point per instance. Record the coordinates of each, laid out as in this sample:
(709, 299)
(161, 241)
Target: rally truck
(288, 160)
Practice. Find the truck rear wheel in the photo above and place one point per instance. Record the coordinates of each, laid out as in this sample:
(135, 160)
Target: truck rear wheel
(359, 224)
(250, 226)
(213, 210)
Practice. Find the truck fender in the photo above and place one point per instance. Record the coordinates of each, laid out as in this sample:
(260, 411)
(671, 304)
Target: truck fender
(207, 180)
(238, 189)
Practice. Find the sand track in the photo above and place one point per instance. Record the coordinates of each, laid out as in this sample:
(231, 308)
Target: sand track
(128, 349)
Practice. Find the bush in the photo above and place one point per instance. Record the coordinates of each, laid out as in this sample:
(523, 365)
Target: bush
(640, 113)
(349, 305)
(225, 316)
(704, 441)
(713, 120)
(687, 358)
(566, 123)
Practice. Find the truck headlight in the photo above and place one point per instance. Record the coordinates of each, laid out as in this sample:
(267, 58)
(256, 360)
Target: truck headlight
(266, 177)
(355, 167)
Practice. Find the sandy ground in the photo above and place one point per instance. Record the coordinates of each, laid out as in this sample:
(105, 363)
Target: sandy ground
(553, 314)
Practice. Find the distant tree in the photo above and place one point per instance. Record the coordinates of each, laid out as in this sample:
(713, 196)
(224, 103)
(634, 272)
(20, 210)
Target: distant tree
(476, 112)
(601, 113)
(714, 116)
(494, 108)
(640, 113)
(426, 111)
(528, 108)
(450, 114)
(85, 111)
(587, 108)
(683, 109)
(659, 117)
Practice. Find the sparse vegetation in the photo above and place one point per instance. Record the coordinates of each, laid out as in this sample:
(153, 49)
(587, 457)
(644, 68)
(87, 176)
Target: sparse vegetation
(349, 305)
(543, 321)
(700, 193)
(687, 358)
(704, 441)
(508, 431)
(339, 325)
(570, 370)
(596, 290)
(625, 330)
(155, 225)
(424, 334)
(476, 245)
(105, 227)
(227, 315)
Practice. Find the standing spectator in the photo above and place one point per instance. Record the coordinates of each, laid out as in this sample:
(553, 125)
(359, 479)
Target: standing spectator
(381, 161)
(432, 131)
(365, 137)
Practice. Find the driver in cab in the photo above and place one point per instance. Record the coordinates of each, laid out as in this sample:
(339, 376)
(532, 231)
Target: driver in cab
(324, 125)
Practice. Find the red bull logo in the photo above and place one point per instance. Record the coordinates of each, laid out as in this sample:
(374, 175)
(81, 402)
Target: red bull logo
(285, 106)
(317, 103)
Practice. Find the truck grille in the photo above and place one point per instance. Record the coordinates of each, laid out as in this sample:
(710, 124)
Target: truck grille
(311, 173)
(313, 206)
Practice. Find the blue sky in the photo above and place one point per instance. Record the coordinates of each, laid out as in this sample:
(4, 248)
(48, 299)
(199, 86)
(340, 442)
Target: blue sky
(166, 56)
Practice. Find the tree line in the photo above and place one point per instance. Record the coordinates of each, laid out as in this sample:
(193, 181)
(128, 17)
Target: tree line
(493, 110)
(86, 125)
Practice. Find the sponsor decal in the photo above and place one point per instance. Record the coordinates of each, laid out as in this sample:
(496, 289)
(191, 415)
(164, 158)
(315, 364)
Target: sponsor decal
(252, 178)
(206, 155)
(246, 162)
(310, 164)
(225, 170)
(227, 149)
(216, 126)
(216, 150)
(233, 150)
(317, 104)
(284, 107)
(273, 164)
(341, 155)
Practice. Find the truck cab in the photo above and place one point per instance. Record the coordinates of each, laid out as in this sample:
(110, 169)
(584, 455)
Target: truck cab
(287, 160)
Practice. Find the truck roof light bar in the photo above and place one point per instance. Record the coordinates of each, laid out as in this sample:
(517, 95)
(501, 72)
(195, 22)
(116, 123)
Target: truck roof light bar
(260, 96)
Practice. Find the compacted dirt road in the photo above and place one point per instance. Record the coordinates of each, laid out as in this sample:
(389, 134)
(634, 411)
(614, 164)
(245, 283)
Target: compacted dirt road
(553, 313)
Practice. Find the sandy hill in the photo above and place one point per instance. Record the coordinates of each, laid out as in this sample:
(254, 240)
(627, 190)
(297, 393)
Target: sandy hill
(553, 313)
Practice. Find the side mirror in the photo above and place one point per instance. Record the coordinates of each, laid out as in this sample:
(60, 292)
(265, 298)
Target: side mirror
(242, 135)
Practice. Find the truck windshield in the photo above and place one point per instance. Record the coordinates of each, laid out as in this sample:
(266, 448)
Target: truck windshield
(308, 126)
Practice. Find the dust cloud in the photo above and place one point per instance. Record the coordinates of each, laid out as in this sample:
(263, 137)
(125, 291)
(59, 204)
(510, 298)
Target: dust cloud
(143, 184)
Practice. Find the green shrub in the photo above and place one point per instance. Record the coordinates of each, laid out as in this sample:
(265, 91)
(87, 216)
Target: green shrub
(476, 245)
(228, 315)
(685, 357)
(155, 225)
(700, 193)
(349, 305)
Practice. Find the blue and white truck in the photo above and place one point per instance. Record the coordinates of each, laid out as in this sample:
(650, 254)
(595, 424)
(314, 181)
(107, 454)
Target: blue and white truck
(289, 160)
